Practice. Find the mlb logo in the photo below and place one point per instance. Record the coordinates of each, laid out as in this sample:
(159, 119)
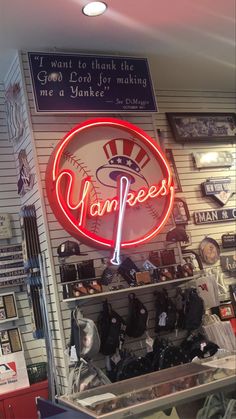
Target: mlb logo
(7, 371)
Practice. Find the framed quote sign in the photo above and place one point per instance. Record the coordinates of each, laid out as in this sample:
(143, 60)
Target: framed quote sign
(109, 184)
(70, 82)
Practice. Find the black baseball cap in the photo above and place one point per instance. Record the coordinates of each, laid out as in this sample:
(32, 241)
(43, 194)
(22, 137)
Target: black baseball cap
(69, 248)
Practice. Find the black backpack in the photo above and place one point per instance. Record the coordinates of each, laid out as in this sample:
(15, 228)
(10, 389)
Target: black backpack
(137, 317)
(166, 313)
(131, 366)
(110, 325)
(166, 355)
(194, 310)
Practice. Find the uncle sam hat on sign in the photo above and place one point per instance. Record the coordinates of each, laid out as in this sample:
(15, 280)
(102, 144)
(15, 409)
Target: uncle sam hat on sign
(125, 157)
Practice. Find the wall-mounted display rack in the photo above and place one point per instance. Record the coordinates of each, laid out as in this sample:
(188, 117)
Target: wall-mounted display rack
(127, 289)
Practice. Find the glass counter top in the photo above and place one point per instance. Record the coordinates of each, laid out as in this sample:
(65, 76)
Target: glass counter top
(155, 390)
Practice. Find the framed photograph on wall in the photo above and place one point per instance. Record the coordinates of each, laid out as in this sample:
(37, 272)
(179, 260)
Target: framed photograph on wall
(202, 126)
(226, 311)
(170, 158)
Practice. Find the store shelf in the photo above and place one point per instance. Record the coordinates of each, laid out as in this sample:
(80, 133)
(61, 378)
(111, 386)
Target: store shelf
(128, 289)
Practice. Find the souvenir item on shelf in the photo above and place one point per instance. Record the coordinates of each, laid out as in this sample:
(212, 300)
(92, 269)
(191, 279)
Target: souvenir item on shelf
(86, 269)
(143, 278)
(167, 257)
(219, 189)
(107, 276)
(166, 274)
(228, 240)
(68, 273)
(209, 251)
(155, 258)
(128, 270)
(79, 289)
(180, 212)
(94, 286)
(192, 257)
(148, 266)
(187, 270)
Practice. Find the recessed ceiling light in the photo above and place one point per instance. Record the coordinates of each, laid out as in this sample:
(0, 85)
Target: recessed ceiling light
(94, 8)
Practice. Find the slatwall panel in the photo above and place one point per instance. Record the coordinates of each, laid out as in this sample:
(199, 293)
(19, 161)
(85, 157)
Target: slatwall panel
(10, 203)
(191, 178)
(34, 197)
(47, 131)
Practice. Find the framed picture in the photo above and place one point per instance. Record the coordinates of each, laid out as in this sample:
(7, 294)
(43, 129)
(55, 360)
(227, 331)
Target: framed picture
(170, 158)
(199, 126)
(180, 212)
(226, 311)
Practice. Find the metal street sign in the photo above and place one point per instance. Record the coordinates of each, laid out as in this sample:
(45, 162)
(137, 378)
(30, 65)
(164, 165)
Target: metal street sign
(215, 216)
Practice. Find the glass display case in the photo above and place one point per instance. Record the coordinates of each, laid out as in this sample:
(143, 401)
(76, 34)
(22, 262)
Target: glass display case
(138, 397)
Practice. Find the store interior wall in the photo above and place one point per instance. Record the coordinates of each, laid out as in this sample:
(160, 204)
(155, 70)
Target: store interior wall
(43, 132)
(11, 203)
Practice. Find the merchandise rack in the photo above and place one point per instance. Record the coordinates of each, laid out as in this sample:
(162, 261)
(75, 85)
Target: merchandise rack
(128, 289)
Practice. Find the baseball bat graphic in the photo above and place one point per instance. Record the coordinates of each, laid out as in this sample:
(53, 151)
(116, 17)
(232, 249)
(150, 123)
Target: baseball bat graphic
(123, 188)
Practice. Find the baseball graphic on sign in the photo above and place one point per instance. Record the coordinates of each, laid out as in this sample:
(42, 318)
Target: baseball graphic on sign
(109, 184)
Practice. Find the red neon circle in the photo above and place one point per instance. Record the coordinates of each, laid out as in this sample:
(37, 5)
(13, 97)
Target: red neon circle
(63, 214)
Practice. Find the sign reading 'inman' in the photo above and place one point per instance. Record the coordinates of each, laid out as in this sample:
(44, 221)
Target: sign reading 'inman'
(215, 216)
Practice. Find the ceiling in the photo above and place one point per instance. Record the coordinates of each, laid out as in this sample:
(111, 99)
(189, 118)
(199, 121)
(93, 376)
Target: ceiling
(189, 43)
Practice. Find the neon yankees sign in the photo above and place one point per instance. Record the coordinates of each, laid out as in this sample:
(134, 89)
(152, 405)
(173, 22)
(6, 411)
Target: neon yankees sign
(109, 185)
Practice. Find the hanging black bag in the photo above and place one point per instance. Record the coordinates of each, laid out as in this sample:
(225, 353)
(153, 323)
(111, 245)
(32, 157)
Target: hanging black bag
(194, 310)
(137, 317)
(166, 313)
(110, 325)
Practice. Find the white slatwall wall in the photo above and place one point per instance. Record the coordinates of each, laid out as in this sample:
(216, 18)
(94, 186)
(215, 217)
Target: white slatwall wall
(34, 197)
(191, 178)
(10, 203)
(47, 130)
